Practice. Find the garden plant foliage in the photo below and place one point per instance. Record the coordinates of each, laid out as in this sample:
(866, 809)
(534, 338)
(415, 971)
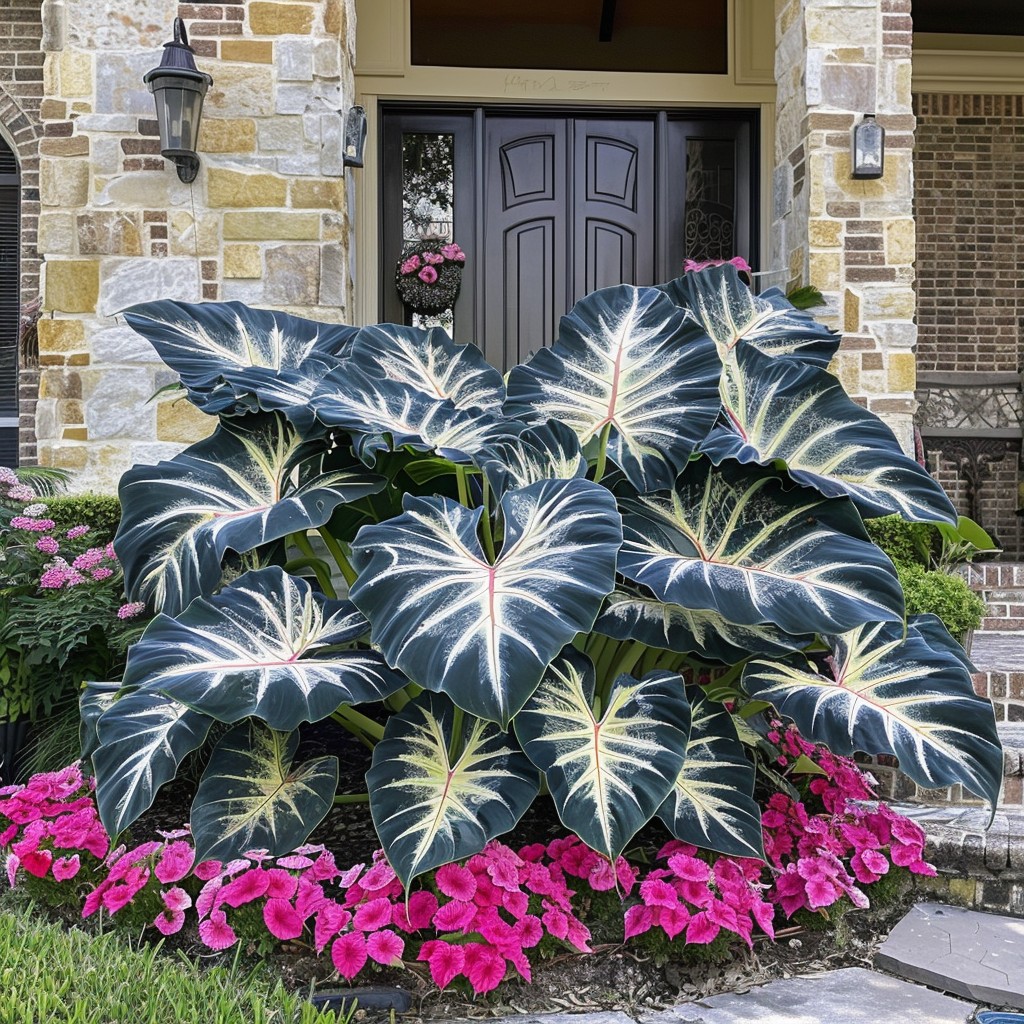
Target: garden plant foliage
(579, 576)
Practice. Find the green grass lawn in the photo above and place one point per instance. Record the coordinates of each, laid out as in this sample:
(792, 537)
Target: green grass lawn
(50, 974)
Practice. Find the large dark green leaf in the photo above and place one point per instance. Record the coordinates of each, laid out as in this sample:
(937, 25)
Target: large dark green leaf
(629, 615)
(712, 803)
(550, 451)
(882, 693)
(219, 349)
(730, 313)
(142, 740)
(609, 774)
(784, 413)
(251, 482)
(430, 362)
(739, 542)
(266, 646)
(430, 809)
(481, 632)
(628, 359)
(251, 797)
(384, 415)
(97, 697)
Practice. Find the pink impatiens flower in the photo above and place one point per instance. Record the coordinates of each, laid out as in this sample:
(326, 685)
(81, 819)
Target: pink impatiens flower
(428, 275)
(445, 960)
(282, 919)
(175, 862)
(349, 954)
(456, 881)
(215, 931)
(385, 947)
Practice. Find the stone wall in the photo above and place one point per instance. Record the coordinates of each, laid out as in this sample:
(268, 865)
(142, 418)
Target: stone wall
(265, 222)
(853, 239)
(21, 91)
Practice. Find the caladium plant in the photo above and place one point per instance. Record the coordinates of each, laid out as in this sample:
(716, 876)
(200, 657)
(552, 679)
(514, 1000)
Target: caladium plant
(578, 583)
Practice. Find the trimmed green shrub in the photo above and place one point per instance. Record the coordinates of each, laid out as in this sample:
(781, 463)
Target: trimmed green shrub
(943, 594)
(904, 542)
(100, 511)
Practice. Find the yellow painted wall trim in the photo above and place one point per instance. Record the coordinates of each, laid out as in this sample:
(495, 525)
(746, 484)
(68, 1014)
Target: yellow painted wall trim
(968, 71)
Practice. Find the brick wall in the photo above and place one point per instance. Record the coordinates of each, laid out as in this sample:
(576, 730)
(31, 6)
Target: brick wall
(21, 90)
(969, 186)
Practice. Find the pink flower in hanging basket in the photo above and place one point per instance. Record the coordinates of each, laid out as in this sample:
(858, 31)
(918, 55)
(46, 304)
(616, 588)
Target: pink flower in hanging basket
(410, 265)
(453, 252)
(428, 275)
(433, 258)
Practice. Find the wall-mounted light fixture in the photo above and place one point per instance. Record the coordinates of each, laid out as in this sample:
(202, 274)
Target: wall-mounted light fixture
(355, 137)
(178, 88)
(868, 157)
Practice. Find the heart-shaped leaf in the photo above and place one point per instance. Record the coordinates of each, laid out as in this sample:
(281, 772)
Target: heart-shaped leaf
(266, 646)
(607, 775)
(784, 413)
(712, 803)
(143, 738)
(731, 314)
(882, 693)
(627, 359)
(251, 482)
(738, 542)
(97, 697)
(550, 451)
(482, 632)
(251, 797)
(214, 345)
(385, 415)
(634, 616)
(429, 362)
(431, 809)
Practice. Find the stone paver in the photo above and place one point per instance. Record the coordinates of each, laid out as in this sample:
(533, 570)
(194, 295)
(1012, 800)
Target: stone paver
(977, 955)
(848, 996)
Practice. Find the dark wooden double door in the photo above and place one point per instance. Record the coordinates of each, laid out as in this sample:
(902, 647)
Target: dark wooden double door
(550, 207)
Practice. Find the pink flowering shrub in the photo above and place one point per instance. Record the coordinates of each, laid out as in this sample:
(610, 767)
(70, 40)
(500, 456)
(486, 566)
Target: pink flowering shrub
(473, 923)
(60, 590)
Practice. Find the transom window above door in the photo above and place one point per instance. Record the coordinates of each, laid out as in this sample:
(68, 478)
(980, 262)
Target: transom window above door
(549, 206)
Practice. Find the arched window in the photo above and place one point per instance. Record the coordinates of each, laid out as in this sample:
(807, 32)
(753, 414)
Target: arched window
(10, 303)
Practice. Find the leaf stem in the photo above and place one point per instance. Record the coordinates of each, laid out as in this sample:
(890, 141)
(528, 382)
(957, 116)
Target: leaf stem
(602, 451)
(455, 744)
(339, 556)
(352, 798)
(460, 477)
(487, 531)
(320, 567)
(358, 724)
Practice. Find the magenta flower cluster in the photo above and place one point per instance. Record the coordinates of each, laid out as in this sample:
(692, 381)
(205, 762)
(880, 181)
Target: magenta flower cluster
(425, 264)
(478, 920)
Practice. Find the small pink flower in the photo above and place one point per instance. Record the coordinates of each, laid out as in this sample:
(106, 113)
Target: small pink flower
(433, 258)
(453, 252)
(245, 888)
(176, 899)
(417, 914)
(428, 275)
(456, 881)
(47, 545)
(207, 869)
(411, 264)
(454, 916)
(385, 947)
(281, 919)
(484, 967)
(175, 862)
(701, 929)
(330, 919)
(638, 920)
(556, 923)
(373, 915)
(129, 611)
(102, 573)
(215, 931)
(66, 867)
(167, 922)
(381, 875)
(349, 954)
(76, 531)
(446, 961)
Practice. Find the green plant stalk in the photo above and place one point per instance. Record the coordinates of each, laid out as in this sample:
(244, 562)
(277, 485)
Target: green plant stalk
(352, 798)
(322, 570)
(629, 654)
(486, 530)
(358, 724)
(602, 451)
(338, 554)
(607, 655)
(455, 744)
(595, 645)
(650, 660)
(460, 478)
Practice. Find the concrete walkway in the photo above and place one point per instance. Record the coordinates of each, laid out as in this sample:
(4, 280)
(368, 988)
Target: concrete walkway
(977, 957)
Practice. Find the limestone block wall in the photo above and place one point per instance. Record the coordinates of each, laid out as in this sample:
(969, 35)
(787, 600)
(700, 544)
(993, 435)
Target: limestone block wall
(265, 222)
(837, 60)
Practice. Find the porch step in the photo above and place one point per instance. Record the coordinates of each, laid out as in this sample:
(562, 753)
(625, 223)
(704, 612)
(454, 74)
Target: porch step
(1001, 586)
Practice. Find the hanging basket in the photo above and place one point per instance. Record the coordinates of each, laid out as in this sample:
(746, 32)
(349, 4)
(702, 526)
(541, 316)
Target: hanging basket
(428, 276)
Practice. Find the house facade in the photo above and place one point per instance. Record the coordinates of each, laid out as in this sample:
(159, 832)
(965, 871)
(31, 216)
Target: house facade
(563, 146)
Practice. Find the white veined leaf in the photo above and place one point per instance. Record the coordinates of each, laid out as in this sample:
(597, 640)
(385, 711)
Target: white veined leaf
(628, 360)
(251, 796)
(484, 633)
(266, 646)
(780, 412)
(739, 542)
(430, 810)
(550, 451)
(883, 693)
(607, 775)
(712, 803)
(732, 315)
(253, 481)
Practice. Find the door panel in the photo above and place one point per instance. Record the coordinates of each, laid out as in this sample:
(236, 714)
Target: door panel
(551, 207)
(613, 204)
(526, 220)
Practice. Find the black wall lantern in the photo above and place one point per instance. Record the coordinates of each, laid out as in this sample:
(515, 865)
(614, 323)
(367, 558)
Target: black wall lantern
(868, 148)
(355, 137)
(178, 88)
